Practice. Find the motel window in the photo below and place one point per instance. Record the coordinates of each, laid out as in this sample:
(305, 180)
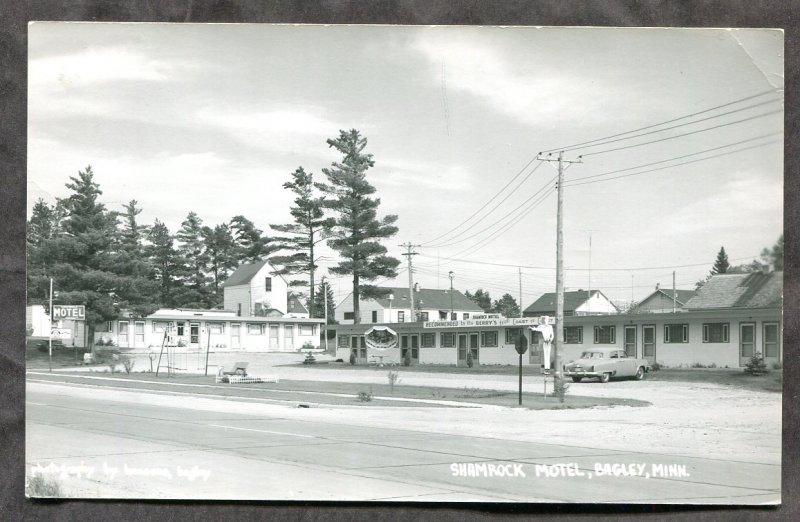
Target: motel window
(466, 316)
(255, 328)
(453, 316)
(423, 316)
(401, 316)
(512, 334)
(268, 284)
(573, 335)
(442, 315)
(606, 334)
(676, 333)
(344, 341)
(715, 332)
(160, 326)
(428, 340)
(448, 339)
(489, 339)
(771, 339)
(306, 329)
(374, 316)
(216, 328)
(349, 316)
(180, 328)
(239, 309)
(108, 326)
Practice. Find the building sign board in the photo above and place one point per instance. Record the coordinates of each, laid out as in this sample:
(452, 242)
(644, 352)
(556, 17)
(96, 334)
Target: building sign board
(494, 322)
(61, 333)
(73, 312)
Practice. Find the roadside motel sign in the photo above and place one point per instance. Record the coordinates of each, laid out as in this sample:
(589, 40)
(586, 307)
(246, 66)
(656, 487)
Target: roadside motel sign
(72, 312)
(61, 333)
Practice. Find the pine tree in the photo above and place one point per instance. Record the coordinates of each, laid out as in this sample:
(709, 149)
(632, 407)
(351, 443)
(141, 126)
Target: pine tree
(316, 306)
(251, 245)
(137, 292)
(482, 299)
(304, 234)
(165, 262)
(356, 229)
(721, 265)
(195, 292)
(221, 252)
(507, 306)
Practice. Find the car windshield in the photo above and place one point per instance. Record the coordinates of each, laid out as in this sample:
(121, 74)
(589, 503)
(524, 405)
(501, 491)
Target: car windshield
(592, 355)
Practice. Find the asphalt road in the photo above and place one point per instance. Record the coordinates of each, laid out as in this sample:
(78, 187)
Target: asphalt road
(126, 447)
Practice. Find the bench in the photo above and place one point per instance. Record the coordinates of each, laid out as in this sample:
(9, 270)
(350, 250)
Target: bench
(239, 368)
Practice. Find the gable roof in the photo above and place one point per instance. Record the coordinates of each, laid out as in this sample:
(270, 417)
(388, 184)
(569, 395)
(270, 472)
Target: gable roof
(431, 300)
(294, 305)
(753, 290)
(572, 300)
(681, 296)
(244, 274)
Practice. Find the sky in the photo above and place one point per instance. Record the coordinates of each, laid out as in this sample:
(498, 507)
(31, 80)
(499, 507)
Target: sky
(215, 118)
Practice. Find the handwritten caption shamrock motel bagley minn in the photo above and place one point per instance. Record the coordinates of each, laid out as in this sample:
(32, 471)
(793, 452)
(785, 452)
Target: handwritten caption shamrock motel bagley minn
(600, 469)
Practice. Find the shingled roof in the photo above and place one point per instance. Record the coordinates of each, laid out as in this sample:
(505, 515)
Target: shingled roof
(431, 300)
(243, 274)
(547, 302)
(753, 290)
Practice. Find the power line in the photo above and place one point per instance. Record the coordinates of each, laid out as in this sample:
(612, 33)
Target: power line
(626, 269)
(518, 174)
(495, 223)
(606, 142)
(428, 244)
(677, 157)
(573, 184)
(685, 134)
(570, 147)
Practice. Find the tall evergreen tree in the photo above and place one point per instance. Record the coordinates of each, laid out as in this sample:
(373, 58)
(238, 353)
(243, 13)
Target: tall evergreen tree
(251, 243)
(195, 292)
(165, 262)
(83, 255)
(304, 234)
(317, 306)
(220, 249)
(507, 306)
(356, 229)
(137, 292)
(721, 265)
(481, 298)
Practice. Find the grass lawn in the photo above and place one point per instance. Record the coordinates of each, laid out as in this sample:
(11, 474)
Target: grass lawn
(62, 358)
(771, 382)
(341, 393)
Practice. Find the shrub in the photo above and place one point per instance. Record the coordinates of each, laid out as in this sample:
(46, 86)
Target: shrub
(365, 396)
(777, 366)
(407, 358)
(394, 378)
(127, 363)
(560, 388)
(353, 358)
(756, 365)
(41, 487)
(470, 360)
(308, 345)
(655, 367)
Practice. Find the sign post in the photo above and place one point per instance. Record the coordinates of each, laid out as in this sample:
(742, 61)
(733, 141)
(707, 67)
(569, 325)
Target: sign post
(521, 345)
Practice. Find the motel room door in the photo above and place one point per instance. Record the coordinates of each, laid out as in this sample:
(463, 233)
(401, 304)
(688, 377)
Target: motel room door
(410, 341)
(649, 343)
(535, 348)
(771, 343)
(630, 340)
(747, 342)
(462, 349)
(236, 336)
(194, 335)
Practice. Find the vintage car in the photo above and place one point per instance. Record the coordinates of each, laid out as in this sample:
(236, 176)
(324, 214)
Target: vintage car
(605, 363)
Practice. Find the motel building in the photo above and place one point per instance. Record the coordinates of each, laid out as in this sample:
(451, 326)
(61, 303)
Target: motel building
(259, 315)
(731, 318)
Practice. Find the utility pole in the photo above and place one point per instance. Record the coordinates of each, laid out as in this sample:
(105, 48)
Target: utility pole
(559, 326)
(50, 337)
(409, 253)
(674, 307)
(325, 293)
(452, 275)
(519, 269)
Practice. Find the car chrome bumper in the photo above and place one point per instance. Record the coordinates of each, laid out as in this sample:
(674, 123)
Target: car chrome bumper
(581, 373)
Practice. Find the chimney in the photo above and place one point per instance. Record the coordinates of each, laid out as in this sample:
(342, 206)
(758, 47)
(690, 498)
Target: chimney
(416, 287)
(765, 269)
(658, 286)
